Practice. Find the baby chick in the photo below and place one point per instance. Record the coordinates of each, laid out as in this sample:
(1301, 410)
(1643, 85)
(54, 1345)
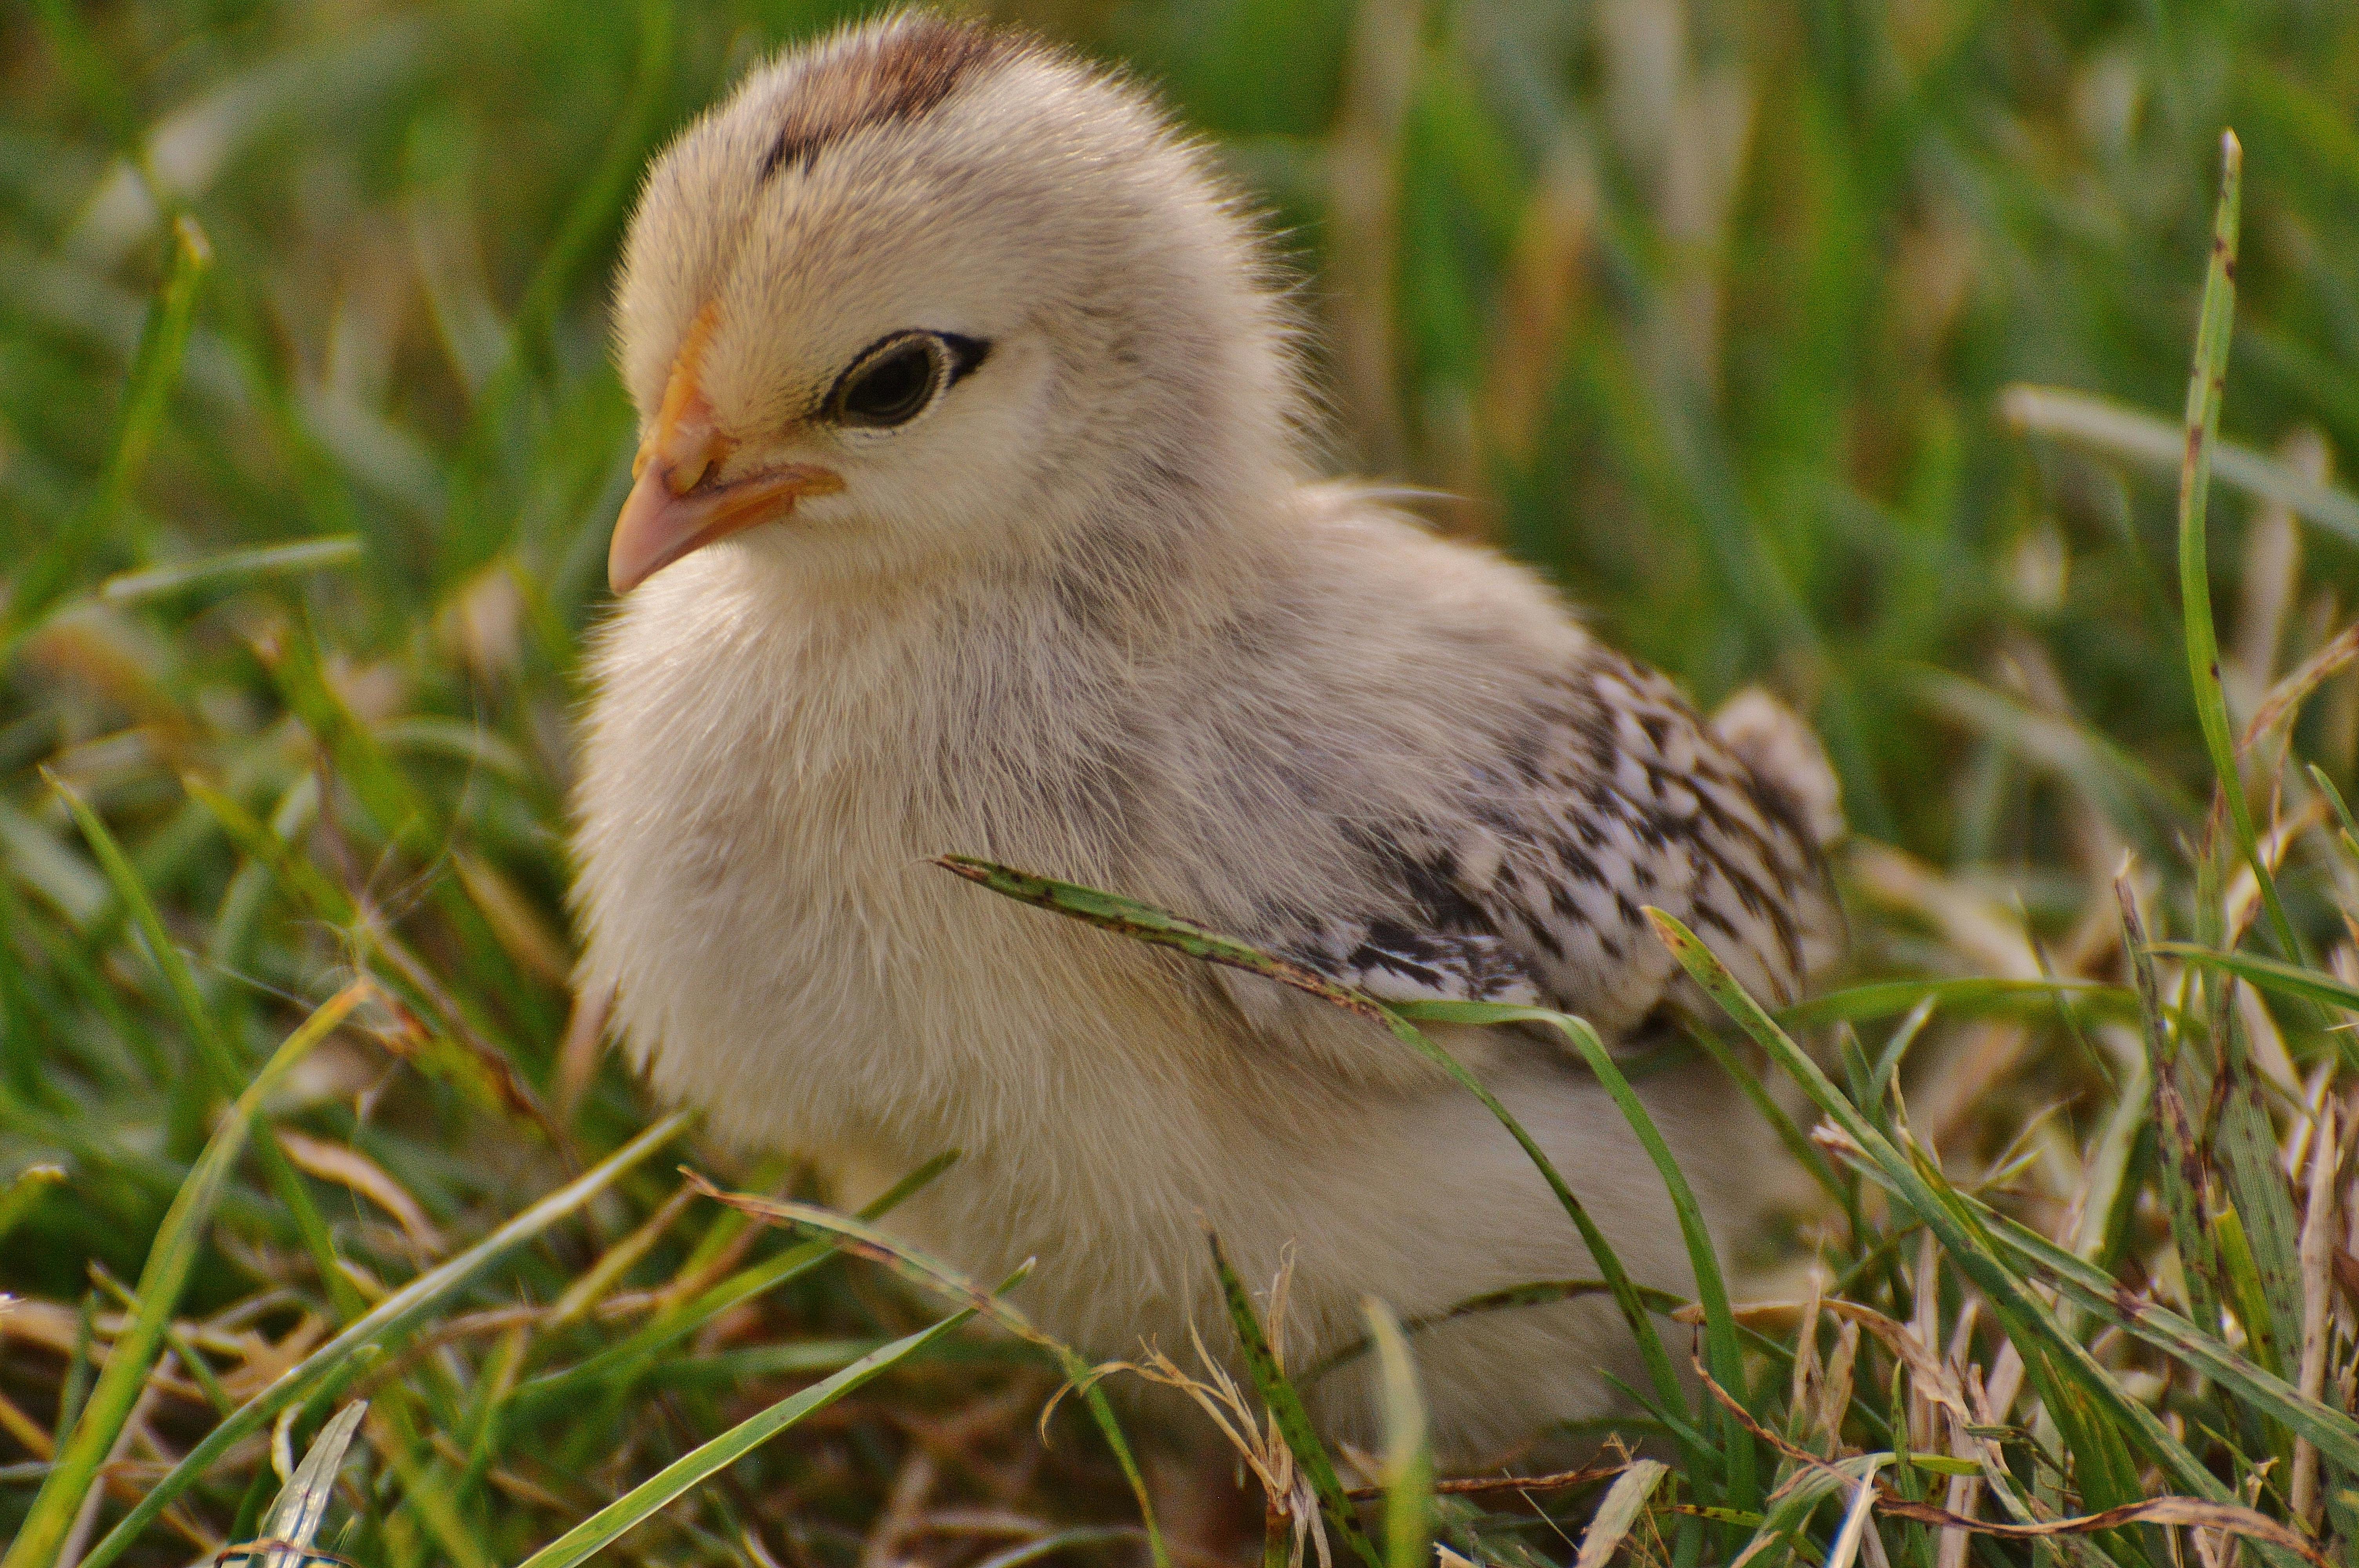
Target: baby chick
(973, 513)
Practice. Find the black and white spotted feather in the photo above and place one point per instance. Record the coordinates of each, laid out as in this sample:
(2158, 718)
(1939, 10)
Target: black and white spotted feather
(1619, 795)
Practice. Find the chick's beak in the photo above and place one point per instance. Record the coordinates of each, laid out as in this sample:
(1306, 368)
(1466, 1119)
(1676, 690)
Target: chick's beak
(678, 503)
(672, 511)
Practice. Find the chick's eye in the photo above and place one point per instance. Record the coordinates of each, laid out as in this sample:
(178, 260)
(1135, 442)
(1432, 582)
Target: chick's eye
(892, 385)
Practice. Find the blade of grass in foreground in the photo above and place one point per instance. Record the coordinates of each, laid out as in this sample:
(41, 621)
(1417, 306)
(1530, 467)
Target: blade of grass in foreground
(154, 371)
(23, 1191)
(601, 1528)
(1947, 1213)
(1972, 997)
(2205, 386)
(1538, 1293)
(2090, 1290)
(1408, 1456)
(623, 1363)
(2347, 830)
(170, 1259)
(1711, 1290)
(1625, 1501)
(2099, 425)
(2245, 1145)
(859, 1239)
(384, 1323)
(2269, 974)
(231, 567)
(295, 1518)
(2096, 1293)
(1285, 1407)
(2179, 1174)
(215, 1059)
(1145, 923)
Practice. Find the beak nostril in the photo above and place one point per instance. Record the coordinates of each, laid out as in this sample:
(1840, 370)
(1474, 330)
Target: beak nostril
(697, 469)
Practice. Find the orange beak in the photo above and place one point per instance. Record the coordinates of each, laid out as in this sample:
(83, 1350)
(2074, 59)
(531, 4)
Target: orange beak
(677, 506)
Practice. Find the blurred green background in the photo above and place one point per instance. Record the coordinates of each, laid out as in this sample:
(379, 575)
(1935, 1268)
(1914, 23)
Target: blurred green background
(1704, 308)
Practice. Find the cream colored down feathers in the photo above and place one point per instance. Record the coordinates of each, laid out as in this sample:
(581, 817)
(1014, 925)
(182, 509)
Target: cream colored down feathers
(1088, 614)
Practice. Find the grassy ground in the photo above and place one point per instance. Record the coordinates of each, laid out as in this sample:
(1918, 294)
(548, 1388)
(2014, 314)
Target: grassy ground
(1736, 317)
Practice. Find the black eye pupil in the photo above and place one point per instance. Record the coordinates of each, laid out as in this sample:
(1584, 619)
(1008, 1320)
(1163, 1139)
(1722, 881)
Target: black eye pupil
(893, 387)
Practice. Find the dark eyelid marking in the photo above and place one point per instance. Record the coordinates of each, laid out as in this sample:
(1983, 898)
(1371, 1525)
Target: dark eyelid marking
(967, 354)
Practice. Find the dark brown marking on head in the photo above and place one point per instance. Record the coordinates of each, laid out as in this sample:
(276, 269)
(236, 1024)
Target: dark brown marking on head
(880, 79)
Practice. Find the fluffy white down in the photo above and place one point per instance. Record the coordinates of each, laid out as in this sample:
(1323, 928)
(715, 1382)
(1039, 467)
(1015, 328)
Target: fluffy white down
(1095, 621)
(765, 784)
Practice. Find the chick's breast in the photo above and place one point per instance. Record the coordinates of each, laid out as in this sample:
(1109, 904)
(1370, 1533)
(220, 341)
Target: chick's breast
(1393, 759)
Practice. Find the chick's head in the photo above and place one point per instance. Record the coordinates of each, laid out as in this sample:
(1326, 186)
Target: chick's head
(924, 294)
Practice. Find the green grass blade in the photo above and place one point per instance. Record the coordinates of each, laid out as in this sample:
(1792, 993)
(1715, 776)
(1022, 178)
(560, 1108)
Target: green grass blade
(2204, 387)
(214, 1056)
(601, 1528)
(213, 1051)
(2269, 974)
(1797, 1142)
(383, 1323)
(1539, 1292)
(1145, 923)
(1950, 1215)
(931, 1273)
(231, 568)
(863, 1240)
(23, 1191)
(154, 371)
(2182, 1173)
(2244, 1280)
(623, 1362)
(171, 1257)
(319, 897)
(155, 368)
(2346, 830)
(1896, 1048)
(302, 1507)
(1660, 1372)
(2244, 1151)
(1721, 1347)
(2100, 426)
(1408, 1454)
(1972, 997)
(1285, 1409)
(1619, 1510)
(2334, 1432)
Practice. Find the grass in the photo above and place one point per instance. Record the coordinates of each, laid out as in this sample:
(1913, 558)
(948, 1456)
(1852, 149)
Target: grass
(1831, 344)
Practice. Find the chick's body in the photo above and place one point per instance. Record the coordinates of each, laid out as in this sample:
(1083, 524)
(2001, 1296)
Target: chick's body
(1086, 613)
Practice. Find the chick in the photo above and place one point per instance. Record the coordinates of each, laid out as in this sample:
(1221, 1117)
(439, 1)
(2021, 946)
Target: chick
(975, 512)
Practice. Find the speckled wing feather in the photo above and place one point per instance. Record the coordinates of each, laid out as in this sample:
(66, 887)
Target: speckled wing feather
(1617, 797)
(1390, 961)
